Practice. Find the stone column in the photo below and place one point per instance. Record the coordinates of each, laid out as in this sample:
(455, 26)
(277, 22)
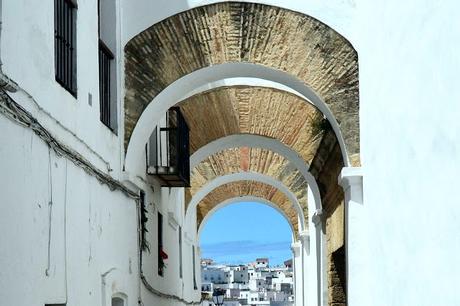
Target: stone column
(319, 272)
(351, 179)
(296, 248)
(307, 267)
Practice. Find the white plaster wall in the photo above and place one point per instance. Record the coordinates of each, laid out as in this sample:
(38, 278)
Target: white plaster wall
(27, 51)
(410, 143)
(298, 274)
(93, 229)
(169, 202)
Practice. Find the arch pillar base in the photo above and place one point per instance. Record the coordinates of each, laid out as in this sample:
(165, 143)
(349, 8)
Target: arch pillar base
(351, 179)
(298, 269)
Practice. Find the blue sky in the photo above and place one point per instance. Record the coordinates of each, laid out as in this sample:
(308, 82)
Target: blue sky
(241, 232)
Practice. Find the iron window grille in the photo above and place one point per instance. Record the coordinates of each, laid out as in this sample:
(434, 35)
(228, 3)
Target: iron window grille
(169, 156)
(105, 62)
(161, 264)
(64, 45)
(143, 212)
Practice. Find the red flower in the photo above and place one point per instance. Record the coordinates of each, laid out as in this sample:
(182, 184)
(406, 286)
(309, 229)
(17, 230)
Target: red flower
(163, 254)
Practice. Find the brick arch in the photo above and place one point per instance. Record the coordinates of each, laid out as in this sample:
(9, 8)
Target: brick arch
(249, 160)
(262, 111)
(243, 189)
(244, 32)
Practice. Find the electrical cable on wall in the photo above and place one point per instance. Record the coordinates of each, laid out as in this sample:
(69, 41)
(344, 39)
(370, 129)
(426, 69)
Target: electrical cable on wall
(18, 114)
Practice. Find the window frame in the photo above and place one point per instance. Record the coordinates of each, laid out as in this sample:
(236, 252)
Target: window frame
(65, 45)
(108, 97)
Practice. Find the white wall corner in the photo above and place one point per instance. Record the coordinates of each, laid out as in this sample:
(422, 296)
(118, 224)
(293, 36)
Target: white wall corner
(351, 180)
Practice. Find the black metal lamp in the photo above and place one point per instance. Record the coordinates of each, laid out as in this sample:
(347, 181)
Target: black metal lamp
(218, 296)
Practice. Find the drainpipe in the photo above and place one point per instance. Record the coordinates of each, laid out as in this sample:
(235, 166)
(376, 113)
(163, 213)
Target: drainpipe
(5, 82)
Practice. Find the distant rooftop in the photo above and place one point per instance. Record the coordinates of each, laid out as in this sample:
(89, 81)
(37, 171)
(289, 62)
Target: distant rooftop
(262, 259)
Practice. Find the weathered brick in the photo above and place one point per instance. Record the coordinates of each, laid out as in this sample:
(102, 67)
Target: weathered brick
(258, 160)
(244, 32)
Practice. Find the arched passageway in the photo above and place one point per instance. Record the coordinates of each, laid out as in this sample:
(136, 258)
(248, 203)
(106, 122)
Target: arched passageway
(244, 32)
(313, 115)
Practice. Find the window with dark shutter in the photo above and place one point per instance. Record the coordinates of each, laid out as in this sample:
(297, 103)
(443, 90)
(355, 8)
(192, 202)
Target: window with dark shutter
(107, 67)
(105, 62)
(64, 44)
(168, 151)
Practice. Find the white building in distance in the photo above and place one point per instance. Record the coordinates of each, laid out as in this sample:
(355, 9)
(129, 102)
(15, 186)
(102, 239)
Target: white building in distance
(263, 285)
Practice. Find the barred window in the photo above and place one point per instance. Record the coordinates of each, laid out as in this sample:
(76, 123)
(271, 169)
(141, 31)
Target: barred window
(107, 64)
(105, 84)
(64, 44)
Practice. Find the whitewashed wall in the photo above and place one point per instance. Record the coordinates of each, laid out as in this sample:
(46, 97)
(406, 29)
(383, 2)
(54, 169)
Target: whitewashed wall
(170, 203)
(27, 53)
(410, 143)
(93, 230)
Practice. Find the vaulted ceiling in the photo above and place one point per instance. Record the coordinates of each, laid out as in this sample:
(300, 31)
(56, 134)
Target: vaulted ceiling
(240, 32)
(250, 160)
(244, 32)
(254, 110)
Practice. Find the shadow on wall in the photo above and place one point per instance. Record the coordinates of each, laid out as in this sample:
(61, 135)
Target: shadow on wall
(337, 279)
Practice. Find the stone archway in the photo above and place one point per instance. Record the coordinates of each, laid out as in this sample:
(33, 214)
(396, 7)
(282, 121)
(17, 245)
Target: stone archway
(249, 162)
(244, 32)
(176, 56)
(295, 211)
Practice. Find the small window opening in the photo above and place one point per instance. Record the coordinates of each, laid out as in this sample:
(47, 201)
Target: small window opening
(116, 301)
(65, 40)
(107, 67)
